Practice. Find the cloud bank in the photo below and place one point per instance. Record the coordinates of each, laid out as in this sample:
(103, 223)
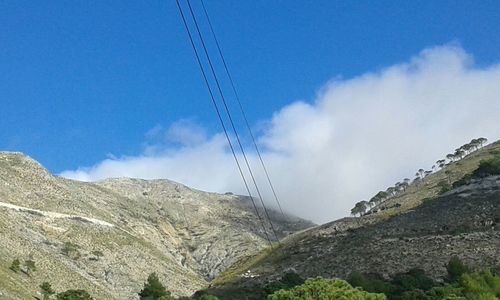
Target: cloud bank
(358, 136)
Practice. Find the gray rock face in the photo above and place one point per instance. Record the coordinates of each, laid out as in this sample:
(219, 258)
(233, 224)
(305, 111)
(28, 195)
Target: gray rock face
(106, 237)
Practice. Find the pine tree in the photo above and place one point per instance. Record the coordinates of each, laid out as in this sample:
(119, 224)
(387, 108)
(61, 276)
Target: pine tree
(154, 290)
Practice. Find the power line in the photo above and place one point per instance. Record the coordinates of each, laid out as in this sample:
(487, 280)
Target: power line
(221, 119)
(241, 108)
(230, 118)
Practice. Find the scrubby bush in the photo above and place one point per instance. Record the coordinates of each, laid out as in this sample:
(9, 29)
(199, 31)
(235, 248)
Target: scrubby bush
(415, 285)
(47, 290)
(372, 283)
(488, 167)
(462, 181)
(74, 295)
(319, 289)
(483, 285)
(448, 292)
(444, 186)
(97, 253)
(495, 271)
(415, 279)
(71, 250)
(30, 266)
(15, 265)
(208, 297)
(288, 281)
(415, 294)
(292, 279)
(455, 268)
(409, 285)
(200, 295)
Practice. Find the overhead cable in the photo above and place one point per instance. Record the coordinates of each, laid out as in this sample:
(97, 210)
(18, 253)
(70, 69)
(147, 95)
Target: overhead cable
(230, 118)
(214, 102)
(241, 109)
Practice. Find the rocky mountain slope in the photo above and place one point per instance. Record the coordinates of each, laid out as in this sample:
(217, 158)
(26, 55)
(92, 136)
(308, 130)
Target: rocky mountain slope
(107, 237)
(423, 231)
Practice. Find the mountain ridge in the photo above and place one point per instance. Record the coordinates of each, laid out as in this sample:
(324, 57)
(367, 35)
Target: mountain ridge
(423, 231)
(106, 237)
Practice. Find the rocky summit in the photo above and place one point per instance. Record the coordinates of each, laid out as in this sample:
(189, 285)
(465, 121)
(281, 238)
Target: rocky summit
(106, 237)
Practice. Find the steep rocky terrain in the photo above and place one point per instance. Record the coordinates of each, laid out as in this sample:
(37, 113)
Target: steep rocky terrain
(107, 237)
(424, 231)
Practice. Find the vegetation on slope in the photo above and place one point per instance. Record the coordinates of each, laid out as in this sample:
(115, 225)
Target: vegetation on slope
(459, 283)
(428, 184)
(361, 207)
(315, 251)
(415, 285)
(319, 288)
(487, 167)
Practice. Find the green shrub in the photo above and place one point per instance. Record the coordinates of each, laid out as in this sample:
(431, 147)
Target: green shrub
(201, 295)
(47, 290)
(319, 289)
(410, 285)
(415, 285)
(463, 181)
(495, 152)
(483, 285)
(444, 186)
(97, 253)
(495, 271)
(74, 295)
(275, 286)
(154, 290)
(30, 266)
(449, 292)
(208, 297)
(415, 279)
(456, 268)
(292, 279)
(373, 283)
(288, 281)
(71, 250)
(16, 265)
(416, 294)
(488, 167)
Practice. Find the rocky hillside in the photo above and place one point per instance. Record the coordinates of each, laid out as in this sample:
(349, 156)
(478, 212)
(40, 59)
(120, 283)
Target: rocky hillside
(423, 231)
(107, 237)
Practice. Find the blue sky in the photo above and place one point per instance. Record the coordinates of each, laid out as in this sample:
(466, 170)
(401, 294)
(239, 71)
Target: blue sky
(83, 79)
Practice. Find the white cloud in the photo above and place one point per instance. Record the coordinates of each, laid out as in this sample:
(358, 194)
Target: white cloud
(183, 133)
(359, 135)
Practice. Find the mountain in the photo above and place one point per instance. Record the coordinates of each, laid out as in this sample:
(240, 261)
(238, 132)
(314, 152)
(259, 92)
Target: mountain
(106, 237)
(422, 227)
